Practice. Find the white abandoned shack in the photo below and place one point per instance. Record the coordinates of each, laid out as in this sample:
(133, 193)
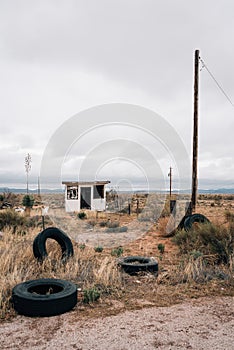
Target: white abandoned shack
(85, 195)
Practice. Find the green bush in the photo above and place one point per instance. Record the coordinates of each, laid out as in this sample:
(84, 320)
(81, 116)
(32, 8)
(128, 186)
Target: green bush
(117, 251)
(208, 239)
(91, 295)
(82, 215)
(98, 249)
(103, 223)
(161, 248)
(28, 201)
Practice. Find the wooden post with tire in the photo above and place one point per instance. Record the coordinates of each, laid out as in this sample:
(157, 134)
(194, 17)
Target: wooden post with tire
(195, 132)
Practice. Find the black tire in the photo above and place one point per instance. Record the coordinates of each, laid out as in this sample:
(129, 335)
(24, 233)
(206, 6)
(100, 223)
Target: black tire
(189, 221)
(134, 264)
(32, 298)
(39, 244)
(35, 247)
(181, 224)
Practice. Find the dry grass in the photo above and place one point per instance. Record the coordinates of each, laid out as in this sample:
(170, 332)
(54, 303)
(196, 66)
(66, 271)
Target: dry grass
(192, 272)
(17, 264)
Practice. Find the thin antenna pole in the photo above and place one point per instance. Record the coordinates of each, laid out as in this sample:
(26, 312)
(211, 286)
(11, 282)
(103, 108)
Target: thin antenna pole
(170, 175)
(38, 187)
(195, 132)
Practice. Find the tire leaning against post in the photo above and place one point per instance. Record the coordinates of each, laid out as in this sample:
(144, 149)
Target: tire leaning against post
(44, 297)
(39, 244)
(191, 219)
(181, 224)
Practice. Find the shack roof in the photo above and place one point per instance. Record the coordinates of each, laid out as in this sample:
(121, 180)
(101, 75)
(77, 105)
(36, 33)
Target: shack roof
(77, 183)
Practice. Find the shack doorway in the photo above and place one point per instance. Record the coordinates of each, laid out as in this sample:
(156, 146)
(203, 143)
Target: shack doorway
(85, 198)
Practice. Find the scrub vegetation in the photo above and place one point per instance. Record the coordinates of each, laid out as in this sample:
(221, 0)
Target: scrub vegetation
(192, 263)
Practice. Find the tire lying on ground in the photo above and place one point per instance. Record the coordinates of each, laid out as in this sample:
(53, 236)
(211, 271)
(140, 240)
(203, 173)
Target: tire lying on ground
(44, 297)
(39, 244)
(191, 219)
(134, 264)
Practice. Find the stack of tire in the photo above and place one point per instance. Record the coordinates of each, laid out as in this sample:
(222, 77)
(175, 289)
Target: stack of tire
(50, 296)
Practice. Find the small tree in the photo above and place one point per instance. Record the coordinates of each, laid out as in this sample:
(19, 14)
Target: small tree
(28, 202)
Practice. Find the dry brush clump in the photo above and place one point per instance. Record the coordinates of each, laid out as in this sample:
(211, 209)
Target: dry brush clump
(10, 219)
(19, 224)
(87, 269)
(207, 252)
(209, 239)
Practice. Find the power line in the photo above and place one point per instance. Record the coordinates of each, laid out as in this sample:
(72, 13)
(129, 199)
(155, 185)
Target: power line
(219, 86)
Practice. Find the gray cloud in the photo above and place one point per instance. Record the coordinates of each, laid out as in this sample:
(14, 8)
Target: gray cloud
(59, 57)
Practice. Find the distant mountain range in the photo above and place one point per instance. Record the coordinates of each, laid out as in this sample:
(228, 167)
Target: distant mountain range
(58, 190)
(217, 191)
(23, 190)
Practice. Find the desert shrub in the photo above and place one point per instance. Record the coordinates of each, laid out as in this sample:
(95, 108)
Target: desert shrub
(82, 246)
(117, 229)
(10, 198)
(198, 267)
(103, 223)
(209, 240)
(36, 221)
(91, 295)
(10, 218)
(117, 251)
(92, 222)
(112, 224)
(195, 269)
(20, 224)
(218, 197)
(229, 216)
(229, 197)
(125, 210)
(161, 248)
(143, 218)
(82, 215)
(28, 201)
(195, 254)
(98, 249)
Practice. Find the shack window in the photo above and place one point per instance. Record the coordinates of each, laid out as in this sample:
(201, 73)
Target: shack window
(72, 192)
(98, 191)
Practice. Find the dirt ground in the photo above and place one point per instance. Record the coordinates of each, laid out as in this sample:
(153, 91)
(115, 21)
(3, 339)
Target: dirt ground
(149, 313)
(205, 323)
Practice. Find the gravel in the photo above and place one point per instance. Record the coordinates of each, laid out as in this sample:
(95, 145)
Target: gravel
(205, 323)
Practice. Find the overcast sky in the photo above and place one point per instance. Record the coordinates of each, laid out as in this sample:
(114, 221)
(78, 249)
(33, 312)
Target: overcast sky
(61, 57)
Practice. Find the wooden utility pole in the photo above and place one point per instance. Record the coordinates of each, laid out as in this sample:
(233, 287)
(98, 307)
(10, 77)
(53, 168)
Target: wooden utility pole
(195, 132)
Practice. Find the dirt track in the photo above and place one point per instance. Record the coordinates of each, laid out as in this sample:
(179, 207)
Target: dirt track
(206, 323)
